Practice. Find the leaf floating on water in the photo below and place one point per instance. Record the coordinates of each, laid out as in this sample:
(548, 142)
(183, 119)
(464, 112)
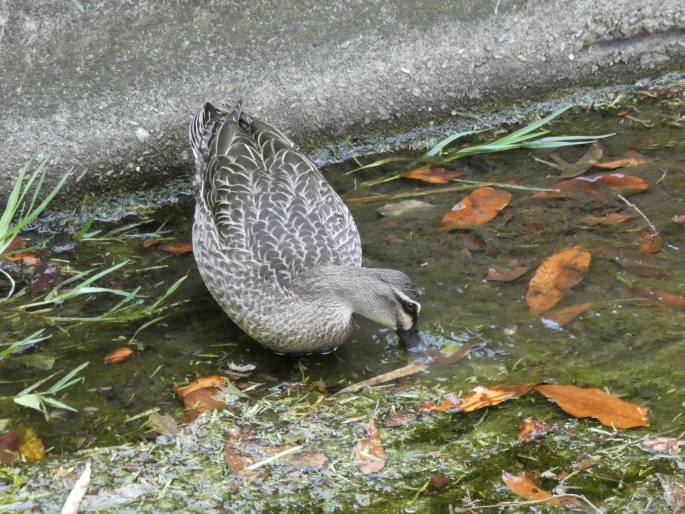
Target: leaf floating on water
(649, 242)
(511, 271)
(432, 175)
(665, 445)
(587, 161)
(177, 247)
(565, 315)
(118, 355)
(630, 158)
(200, 383)
(595, 186)
(674, 300)
(477, 208)
(619, 183)
(369, 454)
(532, 429)
(614, 218)
(555, 277)
(478, 398)
(645, 265)
(583, 402)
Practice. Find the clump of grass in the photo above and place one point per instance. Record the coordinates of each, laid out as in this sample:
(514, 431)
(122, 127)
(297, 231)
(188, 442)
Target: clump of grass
(25, 343)
(530, 137)
(41, 400)
(22, 207)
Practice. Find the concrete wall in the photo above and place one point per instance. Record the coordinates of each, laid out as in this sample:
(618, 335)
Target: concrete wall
(110, 90)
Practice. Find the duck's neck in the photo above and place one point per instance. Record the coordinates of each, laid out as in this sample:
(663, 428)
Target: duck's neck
(355, 288)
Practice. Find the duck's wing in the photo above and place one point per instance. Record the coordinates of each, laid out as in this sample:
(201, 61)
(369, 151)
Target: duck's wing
(271, 202)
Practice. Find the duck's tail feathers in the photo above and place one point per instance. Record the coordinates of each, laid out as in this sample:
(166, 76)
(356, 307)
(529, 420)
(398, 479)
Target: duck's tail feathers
(204, 125)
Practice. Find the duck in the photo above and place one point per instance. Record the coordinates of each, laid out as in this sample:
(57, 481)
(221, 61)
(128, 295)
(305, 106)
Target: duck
(276, 246)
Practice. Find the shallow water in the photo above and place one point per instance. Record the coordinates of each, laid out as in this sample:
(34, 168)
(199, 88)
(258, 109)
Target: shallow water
(623, 343)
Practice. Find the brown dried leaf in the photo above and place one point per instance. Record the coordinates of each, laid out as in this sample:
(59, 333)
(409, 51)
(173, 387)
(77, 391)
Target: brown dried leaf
(399, 418)
(30, 445)
(48, 276)
(565, 315)
(648, 242)
(432, 175)
(644, 265)
(201, 400)
(177, 247)
(9, 446)
(532, 429)
(27, 258)
(595, 186)
(630, 158)
(163, 423)
(674, 491)
(150, 243)
(118, 355)
(199, 383)
(233, 460)
(582, 402)
(555, 277)
(511, 271)
(308, 460)
(587, 161)
(479, 207)
(478, 398)
(369, 454)
(665, 445)
(614, 218)
(525, 487)
(439, 481)
(674, 300)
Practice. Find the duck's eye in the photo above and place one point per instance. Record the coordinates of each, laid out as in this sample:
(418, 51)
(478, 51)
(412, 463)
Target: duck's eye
(410, 308)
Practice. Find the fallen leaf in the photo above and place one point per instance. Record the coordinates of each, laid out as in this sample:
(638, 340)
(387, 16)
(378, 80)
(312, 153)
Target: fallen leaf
(587, 161)
(234, 461)
(150, 243)
(177, 247)
(402, 207)
(399, 418)
(308, 460)
(119, 355)
(201, 400)
(472, 242)
(47, 277)
(662, 297)
(565, 315)
(511, 271)
(648, 242)
(678, 218)
(16, 244)
(583, 402)
(199, 383)
(477, 208)
(630, 158)
(9, 442)
(614, 218)
(674, 491)
(531, 429)
(645, 265)
(555, 277)
(163, 423)
(595, 186)
(432, 175)
(27, 258)
(478, 398)
(665, 445)
(584, 464)
(525, 487)
(439, 481)
(369, 454)
(30, 445)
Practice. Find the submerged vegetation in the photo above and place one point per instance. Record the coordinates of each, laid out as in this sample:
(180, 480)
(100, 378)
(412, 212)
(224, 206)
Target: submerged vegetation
(544, 281)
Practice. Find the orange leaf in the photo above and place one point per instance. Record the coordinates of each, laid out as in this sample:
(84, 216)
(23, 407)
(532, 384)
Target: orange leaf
(15, 244)
(478, 398)
(201, 400)
(620, 183)
(525, 487)
(199, 383)
(595, 186)
(369, 454)
(28, 258)
(584, 402)
(118, 355)
(531, 429)
(479, 207)
(150, 243)
(650, 243)
(177, 247)
(513, 270)
(565, 315)
(614, 218)
(630, 158)
(555, 277)
(432, 175)
(30, 446)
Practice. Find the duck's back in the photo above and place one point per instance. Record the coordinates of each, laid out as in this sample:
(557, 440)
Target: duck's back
(268, 209)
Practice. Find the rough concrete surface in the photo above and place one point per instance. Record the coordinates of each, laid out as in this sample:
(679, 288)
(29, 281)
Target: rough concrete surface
(109, 90)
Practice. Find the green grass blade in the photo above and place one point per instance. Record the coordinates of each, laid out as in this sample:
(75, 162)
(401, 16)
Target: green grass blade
(533, 126)
(62, 383)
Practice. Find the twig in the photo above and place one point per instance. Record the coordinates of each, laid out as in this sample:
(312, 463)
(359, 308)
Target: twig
(505, 186)
(73, 503)
(275, 457)
(404, 371)
(652, 228)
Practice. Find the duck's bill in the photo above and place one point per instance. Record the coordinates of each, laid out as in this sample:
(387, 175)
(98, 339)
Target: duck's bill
(411, 339)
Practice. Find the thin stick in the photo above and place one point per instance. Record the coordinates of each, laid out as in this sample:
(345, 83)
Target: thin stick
(404, 371)
(273, 458)
(381, 197)
(73, 503)
(505, 186)
(652, 228)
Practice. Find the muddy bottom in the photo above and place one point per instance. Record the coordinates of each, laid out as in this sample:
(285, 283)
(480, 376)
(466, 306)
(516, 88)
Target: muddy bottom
(629, 341)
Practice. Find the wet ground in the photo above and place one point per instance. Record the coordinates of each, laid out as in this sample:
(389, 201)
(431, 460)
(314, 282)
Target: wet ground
(628, 343)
